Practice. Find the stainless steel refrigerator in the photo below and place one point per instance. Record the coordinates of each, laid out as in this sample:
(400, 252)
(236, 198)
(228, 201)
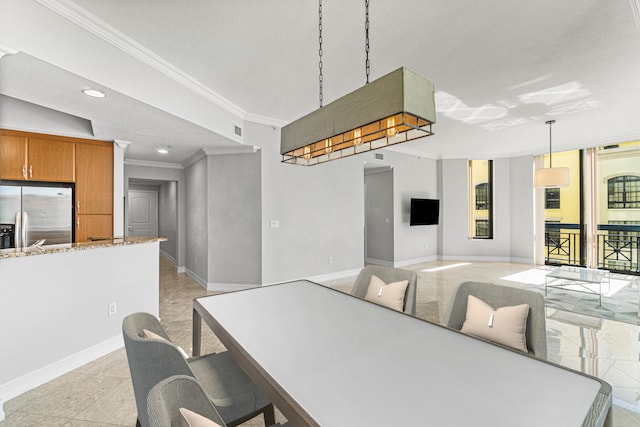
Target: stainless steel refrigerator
(29, 214)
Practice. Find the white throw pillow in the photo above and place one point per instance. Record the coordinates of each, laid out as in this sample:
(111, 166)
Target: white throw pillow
(506, 325)
(191, 419)
(152, 335)
(389, 295)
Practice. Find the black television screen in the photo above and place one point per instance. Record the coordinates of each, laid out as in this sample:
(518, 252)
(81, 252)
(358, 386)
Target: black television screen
(424, 211)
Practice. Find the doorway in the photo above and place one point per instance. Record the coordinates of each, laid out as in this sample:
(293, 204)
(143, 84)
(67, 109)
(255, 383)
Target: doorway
(378, 214)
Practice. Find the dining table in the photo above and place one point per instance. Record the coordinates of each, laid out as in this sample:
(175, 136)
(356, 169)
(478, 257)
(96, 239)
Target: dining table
(327, 358)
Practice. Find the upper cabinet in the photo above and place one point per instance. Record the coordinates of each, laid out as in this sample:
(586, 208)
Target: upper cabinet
(50, 160)
(94, 178)
(26, 157)
(13, 157)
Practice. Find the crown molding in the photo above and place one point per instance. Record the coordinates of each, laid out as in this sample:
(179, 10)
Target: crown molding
(240, 149)
(635, 8)
(106, 32)
(121, 143)
(204, 152)
(150, 164)
(6, 50)
(264, 120)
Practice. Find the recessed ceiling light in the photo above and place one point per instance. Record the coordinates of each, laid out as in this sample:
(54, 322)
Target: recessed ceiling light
(94, 93)
(162, 151)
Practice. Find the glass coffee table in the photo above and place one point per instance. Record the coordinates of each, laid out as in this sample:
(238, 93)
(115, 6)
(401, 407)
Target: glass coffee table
(579, 279)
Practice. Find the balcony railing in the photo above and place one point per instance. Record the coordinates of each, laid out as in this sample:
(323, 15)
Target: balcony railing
(617, 246)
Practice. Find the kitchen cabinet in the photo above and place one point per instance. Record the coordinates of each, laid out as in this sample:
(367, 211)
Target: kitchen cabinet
(29, 157)
(26, 156)
(94, 178)
(93, 226)
(13, 157)
(50, 160)
(94, 190)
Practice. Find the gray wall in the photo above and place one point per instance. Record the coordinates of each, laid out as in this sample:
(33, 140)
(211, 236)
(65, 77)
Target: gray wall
(513, 212)
(168, 218)
(521, 199)
(196, 198)
(235, 218)
(456, 244)
(320, 211)
(412, 177)
(379, 215)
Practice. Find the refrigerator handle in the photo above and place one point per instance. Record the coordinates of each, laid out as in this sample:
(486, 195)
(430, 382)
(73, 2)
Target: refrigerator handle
(24, 229)
(16, 230)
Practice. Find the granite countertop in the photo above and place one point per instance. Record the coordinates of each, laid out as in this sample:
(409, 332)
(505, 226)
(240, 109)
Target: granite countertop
(70, 247)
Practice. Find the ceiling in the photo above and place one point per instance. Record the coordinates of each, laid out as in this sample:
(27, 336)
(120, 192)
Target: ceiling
(186, 73)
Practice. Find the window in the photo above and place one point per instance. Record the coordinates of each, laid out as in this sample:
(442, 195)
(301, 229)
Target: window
(624, 192)
(480, 193)
(482, 197)
(552, 198)
(482, 228)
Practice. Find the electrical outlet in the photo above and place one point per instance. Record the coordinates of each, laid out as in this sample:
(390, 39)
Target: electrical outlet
(113, 308)
(330, 260)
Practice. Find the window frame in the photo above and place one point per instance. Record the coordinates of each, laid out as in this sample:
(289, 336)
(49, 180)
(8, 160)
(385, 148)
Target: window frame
(619, 193)
(473, 212)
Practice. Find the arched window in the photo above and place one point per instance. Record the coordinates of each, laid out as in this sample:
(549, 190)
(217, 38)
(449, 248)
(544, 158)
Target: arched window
(624, 192)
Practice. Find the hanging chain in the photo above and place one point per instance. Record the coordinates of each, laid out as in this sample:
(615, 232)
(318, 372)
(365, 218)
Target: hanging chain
(367, 64)
(320, 48)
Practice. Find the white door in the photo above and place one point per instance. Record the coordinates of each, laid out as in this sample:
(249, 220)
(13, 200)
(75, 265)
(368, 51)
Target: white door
(143, 213)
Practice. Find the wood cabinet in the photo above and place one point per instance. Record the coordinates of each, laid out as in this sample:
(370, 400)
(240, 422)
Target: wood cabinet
(29, 157)
(93, 226)
(50, 160)
(94, 190)
(13, 157)
(94, 178)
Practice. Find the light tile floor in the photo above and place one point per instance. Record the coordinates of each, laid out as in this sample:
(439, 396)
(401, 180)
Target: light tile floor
(100, 393)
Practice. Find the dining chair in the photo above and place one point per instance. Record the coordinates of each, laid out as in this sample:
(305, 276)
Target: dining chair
(388, 275)
(166, 398)
(498, 296)
(151, 360)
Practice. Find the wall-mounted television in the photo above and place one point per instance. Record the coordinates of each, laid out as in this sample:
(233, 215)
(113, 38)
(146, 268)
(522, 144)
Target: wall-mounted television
(424, 211)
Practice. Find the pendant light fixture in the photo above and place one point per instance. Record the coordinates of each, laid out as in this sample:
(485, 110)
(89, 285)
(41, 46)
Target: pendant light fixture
(395, 108)
(551, 177)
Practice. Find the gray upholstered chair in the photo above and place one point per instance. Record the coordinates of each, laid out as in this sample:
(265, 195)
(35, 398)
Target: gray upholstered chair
(501, 296)
(235, 397)
(388, 275)
(180, 391)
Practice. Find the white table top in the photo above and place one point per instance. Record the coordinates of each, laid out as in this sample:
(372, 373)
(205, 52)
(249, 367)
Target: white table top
(348, 362)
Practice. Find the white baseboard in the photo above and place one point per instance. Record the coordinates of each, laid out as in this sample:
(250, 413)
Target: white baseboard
(167, 256)
(40, 376)
(197, 278)
(474, 258)
(179, 269)
(378, 262)
(213, 286)
(407, 262)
